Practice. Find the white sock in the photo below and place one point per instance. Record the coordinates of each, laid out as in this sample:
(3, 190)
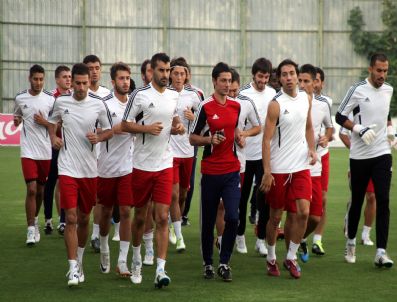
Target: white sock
(104, 244)
(220, 240)
(48, 221)
(160, 264)
(80, 253)
(380, 251)
(136, 253)
(293, 248)
(36, 220)
(366, 231)
(72, 264)
(124, 245)
(178, 229)
(304, 240)
(117, 228)
(317, 237)
(148, 240)
(351, 241)
(271, 253)
(31, 228)
(95, 231)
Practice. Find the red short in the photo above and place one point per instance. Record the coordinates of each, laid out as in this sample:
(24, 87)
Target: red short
(316, 206)
(77, 192)
(182, 171)
(370, 187)
(325, 172)
(115, 191)
(33, 169)
(288, 188)
(241, 180)
(147, 185)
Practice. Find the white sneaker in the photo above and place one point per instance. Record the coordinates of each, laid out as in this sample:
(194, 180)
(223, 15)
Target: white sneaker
(161, 279)
(260, 247)
(122, 269)
(172, 236)
(367, 241)
(105, 263)
(350, 253)
(382, 260)
(149, 257)
(136, 275)
(240, 244)
(116, 236)
(73, 276)
(81, 273)
(36, 233)
(180, 245)
(30, 241)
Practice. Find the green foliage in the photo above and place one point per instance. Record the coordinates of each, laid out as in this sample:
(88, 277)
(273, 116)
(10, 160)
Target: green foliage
(367, 43)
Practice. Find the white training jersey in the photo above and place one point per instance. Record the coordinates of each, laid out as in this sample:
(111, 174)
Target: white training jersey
(180, 146)
(248, 115)
(288, 147)
(321, 120)
(35, 141)
(370, 106)
(115, 157)
(147, 106)
(78, 158)
(261, 99)
(102, 91)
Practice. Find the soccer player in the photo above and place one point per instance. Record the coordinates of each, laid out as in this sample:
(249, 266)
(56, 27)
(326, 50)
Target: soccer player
(63, 78)
(261, 94)
(215, 128)
(183, 152)
(370, 154)
(273, 80)
(321, 118)
(370, 206)
(151, 114)
(95, 66)
(317, 247)
(114, 170)
(77, 161)
(288, 146)
(32, 107)
(146, 72)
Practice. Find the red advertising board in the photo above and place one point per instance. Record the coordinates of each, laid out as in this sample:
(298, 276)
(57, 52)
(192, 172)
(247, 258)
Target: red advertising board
(9, 134)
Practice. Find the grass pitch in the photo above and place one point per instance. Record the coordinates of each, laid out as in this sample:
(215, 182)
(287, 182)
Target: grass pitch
(38, 273)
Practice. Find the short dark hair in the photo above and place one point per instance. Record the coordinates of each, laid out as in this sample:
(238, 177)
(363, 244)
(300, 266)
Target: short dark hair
(321, 72)
(36, 69)
(235, 76)
(144, 65)
(378, 56)
(219, 68)
(161, 56)
(118, 66)
(60, 69)
(286, 62)
(309, 69)
(261, 65)
(80, 69)
(92, 59)
(132, 85)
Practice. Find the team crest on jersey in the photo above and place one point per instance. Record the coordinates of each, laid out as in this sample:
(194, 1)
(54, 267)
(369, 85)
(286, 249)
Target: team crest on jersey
(26, 106)
(286, 111)
(114, 114)
(215, 117)
(151, 105)
(367, 100)
(66, 111)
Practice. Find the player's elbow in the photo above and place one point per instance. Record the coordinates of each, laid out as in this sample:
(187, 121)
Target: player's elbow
(340, 118)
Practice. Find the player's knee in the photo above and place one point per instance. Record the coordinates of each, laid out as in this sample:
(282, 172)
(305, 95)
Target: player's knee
(162, 219)
(124, 213)
(71, 218)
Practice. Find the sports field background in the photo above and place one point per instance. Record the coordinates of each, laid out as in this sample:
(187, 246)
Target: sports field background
(38, 273)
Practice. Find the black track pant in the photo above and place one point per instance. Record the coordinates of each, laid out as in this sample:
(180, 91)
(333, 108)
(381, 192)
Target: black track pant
(379, 169)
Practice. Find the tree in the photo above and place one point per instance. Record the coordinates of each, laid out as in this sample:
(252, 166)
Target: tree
(367, 43)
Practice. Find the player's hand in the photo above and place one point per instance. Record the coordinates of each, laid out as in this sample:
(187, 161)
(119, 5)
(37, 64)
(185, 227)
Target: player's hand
(312, 157)
(267, 182)
(39, 119)
(323, 141)
(17, 120)
(239, 138)
(217, 138)
(367, 134)
(155, 128)
(188, 114)
(56, 142)
(92, 137)
(178, 129)
(390, 134)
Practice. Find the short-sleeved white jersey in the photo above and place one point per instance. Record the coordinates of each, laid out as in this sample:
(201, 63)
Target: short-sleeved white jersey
(102, 91)
(115, 156)
(288, 147)
(370, 106)
(248, 115)
(180, 146)
(78, 158)
(321, 120)
(261, 99)
(35, 141)
(146, 106)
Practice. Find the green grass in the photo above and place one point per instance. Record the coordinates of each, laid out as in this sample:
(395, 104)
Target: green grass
(38, 273)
